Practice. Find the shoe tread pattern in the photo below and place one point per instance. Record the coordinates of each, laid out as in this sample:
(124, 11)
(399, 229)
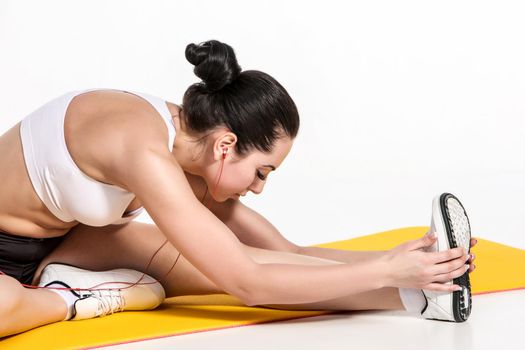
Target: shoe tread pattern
(458, 231)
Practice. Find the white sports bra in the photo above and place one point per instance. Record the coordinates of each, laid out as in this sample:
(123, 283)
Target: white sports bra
(64, 189)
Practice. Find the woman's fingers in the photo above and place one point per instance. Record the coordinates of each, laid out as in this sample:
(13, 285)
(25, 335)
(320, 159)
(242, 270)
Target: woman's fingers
(472, 268)
(473, 242)
(440, 287)
(435, 269)
(451, 274)
(447, 255)
(449, 266)
(423, 242)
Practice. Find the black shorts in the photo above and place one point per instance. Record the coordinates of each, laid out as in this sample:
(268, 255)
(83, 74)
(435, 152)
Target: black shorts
(20, 256)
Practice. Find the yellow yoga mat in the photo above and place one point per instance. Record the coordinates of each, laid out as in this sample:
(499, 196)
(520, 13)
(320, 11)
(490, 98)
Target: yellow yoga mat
(498, 268)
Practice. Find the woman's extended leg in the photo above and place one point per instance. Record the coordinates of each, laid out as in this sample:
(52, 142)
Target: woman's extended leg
(133, 245)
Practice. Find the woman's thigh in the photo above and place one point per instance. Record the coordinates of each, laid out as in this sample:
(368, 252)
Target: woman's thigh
(134, 245)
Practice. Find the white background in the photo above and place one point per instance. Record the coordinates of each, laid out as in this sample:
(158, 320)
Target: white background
(399, 100)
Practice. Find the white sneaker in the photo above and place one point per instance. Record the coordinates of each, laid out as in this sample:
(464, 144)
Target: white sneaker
(452, 228)
(108, 298)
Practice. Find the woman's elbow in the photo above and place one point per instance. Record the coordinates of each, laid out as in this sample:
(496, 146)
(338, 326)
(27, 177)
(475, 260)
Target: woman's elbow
(247, 289)
(248, 298)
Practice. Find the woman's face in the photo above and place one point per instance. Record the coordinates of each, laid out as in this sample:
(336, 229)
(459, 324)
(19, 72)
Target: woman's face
(249, 173)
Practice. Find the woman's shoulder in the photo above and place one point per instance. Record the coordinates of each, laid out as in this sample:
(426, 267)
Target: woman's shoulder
(118, 115)
(102, 127)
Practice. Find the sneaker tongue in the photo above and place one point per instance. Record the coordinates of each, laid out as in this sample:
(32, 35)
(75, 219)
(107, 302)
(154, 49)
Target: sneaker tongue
(86, 308)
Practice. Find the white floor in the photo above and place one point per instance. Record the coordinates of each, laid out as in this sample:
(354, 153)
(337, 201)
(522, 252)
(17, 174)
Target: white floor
(497, 321)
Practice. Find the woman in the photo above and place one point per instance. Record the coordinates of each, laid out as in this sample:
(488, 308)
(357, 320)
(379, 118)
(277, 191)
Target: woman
(84, 165)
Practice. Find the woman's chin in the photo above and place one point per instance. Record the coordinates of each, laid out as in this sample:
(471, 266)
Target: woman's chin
(224, 198)
(234, 197)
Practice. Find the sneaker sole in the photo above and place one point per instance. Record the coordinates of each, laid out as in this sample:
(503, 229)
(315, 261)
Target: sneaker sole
(455, 223)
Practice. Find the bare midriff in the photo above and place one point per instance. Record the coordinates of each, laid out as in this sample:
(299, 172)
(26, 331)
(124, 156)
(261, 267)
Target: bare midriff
(21, 210)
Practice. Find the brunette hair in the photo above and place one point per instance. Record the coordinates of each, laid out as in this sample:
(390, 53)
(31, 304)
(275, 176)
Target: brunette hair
(251, 104)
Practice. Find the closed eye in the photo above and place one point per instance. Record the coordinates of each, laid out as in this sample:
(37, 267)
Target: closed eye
(261, 176)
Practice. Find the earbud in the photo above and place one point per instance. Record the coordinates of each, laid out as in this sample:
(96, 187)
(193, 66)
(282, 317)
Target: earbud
(224, 151)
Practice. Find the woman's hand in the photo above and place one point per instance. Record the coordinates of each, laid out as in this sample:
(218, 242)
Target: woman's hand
(410, 267)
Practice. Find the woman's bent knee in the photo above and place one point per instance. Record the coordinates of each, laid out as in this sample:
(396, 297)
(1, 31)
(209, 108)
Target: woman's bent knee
(11, 296)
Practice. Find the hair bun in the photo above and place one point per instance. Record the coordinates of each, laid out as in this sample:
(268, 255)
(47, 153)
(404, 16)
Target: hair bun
(215, 63)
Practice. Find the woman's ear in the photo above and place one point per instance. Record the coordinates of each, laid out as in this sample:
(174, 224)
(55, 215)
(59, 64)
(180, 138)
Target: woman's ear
(224, 145)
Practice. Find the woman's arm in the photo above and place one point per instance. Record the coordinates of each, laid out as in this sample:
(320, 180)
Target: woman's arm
(209, 245)
(254, 230)
(348, 256)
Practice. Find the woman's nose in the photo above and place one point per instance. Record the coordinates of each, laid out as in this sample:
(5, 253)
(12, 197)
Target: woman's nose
(257, 187)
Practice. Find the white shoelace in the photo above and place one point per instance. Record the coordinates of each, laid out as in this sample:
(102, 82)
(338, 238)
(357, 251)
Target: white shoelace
(109, 301)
